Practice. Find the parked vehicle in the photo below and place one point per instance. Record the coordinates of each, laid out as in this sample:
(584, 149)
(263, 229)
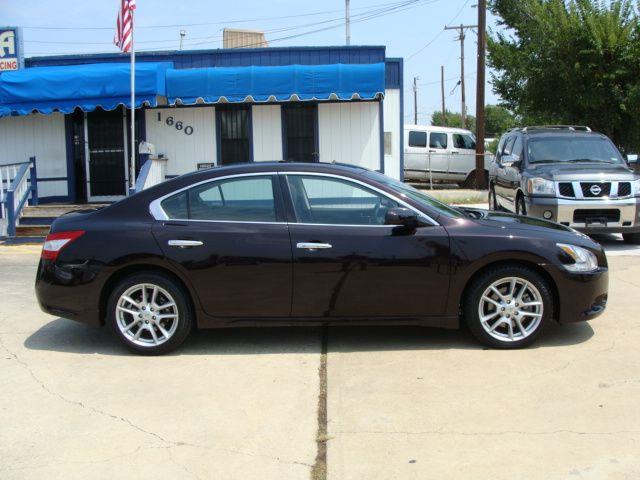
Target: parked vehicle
(567, 174)
(441, 154)
(312, 244)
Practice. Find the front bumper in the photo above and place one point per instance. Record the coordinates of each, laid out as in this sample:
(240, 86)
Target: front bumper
(589, 216)
(581, 296)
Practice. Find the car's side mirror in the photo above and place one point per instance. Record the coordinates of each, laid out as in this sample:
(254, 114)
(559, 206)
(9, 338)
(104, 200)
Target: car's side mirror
(632, 159)
(510, 161)
(403, 217)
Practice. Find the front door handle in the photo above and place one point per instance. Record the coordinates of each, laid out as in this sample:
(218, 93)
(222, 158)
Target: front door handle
(312, 246)
(185, 243)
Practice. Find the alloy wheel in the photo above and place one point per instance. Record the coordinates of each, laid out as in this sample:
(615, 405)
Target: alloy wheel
(147, 315)
(510, 309)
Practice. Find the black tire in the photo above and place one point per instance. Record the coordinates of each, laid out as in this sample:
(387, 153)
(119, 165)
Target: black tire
(476, 290)
(179, 296)
(631, 238)
(521, 207)
(493, 203)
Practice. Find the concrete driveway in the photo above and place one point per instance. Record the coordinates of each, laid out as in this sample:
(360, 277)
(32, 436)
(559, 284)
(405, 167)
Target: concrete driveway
(374, 403)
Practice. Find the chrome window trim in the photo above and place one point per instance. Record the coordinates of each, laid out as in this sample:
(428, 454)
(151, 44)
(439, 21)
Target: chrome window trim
(366, 185)
(156, 211)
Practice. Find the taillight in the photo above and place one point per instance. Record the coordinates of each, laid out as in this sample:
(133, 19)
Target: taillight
(55, 242)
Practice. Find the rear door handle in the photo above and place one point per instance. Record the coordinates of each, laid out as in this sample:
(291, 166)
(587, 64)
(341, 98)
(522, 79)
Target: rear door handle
(185, 243)
(312, 246)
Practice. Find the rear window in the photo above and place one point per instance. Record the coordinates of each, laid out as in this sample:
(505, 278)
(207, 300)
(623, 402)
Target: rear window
(417, 139)
(248, 199)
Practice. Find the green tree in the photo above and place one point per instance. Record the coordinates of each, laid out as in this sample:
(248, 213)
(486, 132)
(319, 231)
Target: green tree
(498, 120)
(453, 119)
(570, 62)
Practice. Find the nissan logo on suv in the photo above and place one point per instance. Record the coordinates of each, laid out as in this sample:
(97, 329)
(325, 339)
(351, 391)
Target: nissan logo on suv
(595, 190)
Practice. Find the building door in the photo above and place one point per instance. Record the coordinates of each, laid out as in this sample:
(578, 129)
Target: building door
(234, 135)
(300, 128)
(106, 155)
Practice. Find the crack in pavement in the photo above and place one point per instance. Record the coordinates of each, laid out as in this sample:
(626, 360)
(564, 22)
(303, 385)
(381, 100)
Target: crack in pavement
(168, 443)
(319, 469)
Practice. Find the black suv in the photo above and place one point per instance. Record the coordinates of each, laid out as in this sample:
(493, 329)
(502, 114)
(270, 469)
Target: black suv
(567, 174)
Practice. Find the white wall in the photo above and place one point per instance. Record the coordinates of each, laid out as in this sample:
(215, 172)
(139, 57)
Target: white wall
(350, 133)
(391, 107)
(40, 136)
(267, 132)
(183, 151)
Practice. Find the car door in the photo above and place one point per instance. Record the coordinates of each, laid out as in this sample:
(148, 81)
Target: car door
(438, 161)
(229, 238)
(511, 173)
(415, 155)
(348, 263)
(463, 156)
(501, 179)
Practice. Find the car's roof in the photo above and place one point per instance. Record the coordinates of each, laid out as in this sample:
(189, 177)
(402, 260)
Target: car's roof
(280, 166)
(436, 128)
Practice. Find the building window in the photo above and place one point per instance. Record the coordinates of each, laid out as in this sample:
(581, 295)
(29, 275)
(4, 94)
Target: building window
(388, 140)
(235, 146)
(417, 139)
(300, 133)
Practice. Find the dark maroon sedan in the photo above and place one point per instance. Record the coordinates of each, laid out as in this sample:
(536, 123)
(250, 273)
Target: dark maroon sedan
(315, 244)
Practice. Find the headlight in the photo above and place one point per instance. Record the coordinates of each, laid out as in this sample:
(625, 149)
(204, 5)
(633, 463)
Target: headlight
(540, 186)
(636, 187)
(583, 259)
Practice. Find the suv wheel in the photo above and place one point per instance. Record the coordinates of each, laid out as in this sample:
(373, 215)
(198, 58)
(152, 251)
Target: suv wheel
(632, 238)
(149, 313)
(521, 208)
(507, 306)
(493, 203)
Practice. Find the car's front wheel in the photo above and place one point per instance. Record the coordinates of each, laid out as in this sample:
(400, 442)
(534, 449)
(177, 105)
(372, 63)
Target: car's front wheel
(149, 313)
(507, 306)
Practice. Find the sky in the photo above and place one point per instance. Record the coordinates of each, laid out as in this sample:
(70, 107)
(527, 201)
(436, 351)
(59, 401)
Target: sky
(414, 31)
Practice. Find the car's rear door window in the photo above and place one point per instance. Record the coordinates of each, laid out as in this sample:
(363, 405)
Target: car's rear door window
(438, 140)
(333, 201)
(244, 199)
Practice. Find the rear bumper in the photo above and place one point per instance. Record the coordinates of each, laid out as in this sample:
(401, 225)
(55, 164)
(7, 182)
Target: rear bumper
(68, 292)
(589, 216)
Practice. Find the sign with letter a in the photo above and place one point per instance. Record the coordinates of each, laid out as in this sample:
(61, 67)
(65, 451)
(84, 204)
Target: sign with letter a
(10, 49)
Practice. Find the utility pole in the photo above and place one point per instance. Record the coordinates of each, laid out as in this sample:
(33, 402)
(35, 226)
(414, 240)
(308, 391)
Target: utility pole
(182, 34)
(481, 181)
(415, 100)
(347, 22)
(444, 110)
(461, 36)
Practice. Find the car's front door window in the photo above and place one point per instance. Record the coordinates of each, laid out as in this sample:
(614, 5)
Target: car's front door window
(323, 200)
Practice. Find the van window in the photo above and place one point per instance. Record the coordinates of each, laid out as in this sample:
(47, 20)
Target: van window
(438, 140)
(417, 139)
(466, 141)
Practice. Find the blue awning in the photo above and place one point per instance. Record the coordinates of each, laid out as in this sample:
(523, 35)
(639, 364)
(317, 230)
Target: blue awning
(64, 88)
(280, 83)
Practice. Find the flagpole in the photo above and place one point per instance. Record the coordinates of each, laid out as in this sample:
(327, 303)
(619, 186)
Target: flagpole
(132, 175)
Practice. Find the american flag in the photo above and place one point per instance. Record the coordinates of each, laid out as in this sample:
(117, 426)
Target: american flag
(124, 25)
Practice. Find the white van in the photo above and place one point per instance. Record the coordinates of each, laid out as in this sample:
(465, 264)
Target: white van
(440, 154)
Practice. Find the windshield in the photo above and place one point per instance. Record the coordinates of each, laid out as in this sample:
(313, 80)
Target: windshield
(572, 149)
(407, 191)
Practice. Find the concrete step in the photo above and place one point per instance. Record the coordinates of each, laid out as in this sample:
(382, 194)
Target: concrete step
(54, 210)
(32, 230)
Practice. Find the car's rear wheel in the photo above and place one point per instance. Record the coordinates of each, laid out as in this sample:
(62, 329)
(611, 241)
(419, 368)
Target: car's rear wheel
(632, 238)
(149, 313)
(507, 306)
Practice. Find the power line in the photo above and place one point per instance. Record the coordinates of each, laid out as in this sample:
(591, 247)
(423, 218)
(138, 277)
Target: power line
(364, 16)
(204, 24)
(421, 49)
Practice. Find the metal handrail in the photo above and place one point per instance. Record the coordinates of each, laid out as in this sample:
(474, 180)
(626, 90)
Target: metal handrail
(22, 183)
